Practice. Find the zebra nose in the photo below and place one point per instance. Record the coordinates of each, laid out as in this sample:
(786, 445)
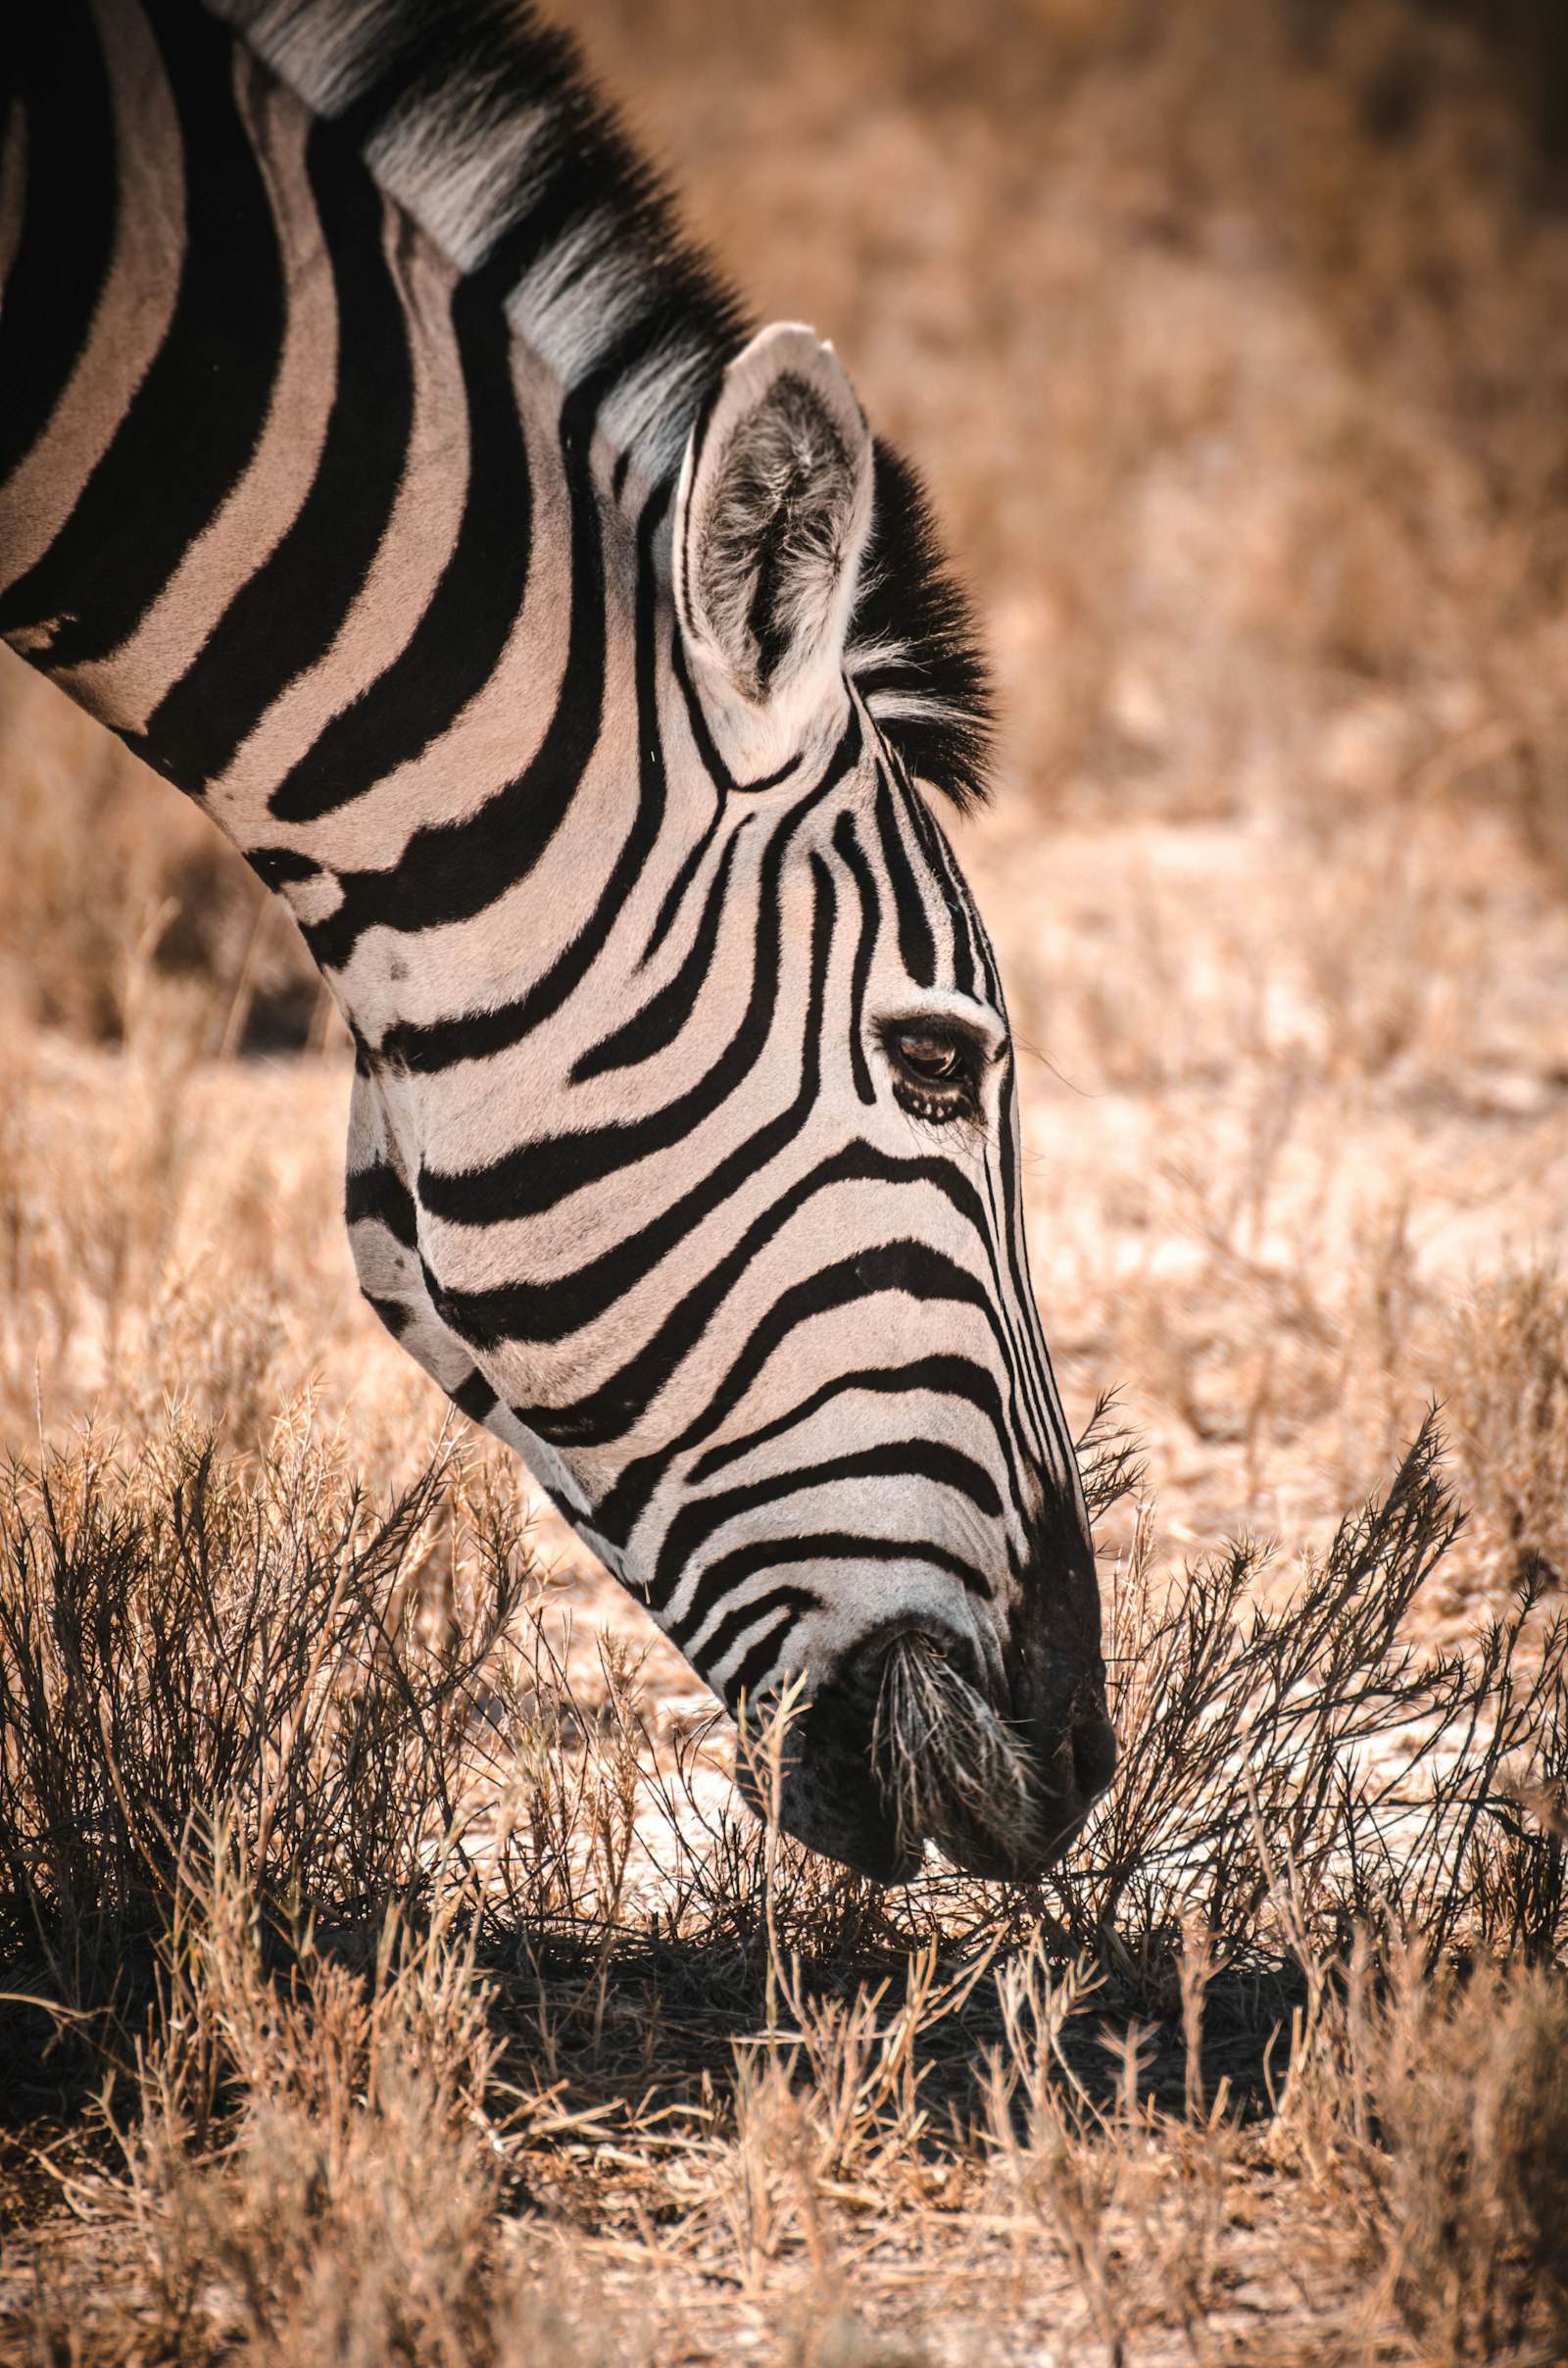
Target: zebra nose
(901, 1747)
(999, 1797)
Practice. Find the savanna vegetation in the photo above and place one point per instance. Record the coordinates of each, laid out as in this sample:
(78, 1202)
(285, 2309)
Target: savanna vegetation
(390, 1973)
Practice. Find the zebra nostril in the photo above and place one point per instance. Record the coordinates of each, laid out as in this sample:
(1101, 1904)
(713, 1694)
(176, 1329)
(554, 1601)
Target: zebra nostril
(1093, 1754)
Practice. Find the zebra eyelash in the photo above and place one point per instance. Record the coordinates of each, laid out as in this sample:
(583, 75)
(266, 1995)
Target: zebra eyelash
(934, 1112)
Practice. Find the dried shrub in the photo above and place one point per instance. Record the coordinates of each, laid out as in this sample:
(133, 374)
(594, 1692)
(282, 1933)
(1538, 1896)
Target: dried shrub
(349, 2213)
(181, 1633)
(1297, 1728)
(312, 2176)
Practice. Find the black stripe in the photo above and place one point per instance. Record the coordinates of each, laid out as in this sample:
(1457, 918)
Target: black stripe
(712, 762)
(448, 871)
(731, 1570)
(675, 895)
(707, 748)
(916, 946)
(661, 1018)
(762, 1658)
(1024, 1346)
(392, 1312)
(848, 846)
(939, 1376)
(1035, 1357)
(790, 1601)
(278, 866)
(990, 973)
(53, 72)
(1028, 1387)
(194, 420)
(475, 1397)
(921, 1460)
(956, 897)
(458, 640)
(536, 1175)
(762, 1654)
(772, 780)
(473, 1035)
(288, 614)
(379, 1194)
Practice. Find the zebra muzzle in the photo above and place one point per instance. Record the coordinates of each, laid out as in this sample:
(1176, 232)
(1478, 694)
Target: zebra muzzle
(950, 1770)
(902, 1750)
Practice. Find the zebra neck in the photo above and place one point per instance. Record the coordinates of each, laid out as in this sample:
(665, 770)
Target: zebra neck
(347, 353)
(300, 509)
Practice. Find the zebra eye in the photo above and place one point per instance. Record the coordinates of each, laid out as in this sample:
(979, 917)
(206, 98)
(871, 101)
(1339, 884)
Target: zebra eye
(935, 1072)
(928, 1057)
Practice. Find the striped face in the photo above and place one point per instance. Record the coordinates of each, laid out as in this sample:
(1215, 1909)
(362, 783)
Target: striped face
(730, 1243)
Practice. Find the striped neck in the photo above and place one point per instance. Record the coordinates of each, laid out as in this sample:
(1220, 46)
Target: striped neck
(275, 358)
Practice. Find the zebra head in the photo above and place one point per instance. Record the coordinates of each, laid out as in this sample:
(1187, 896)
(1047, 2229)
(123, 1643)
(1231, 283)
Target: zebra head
(745, 1278)
(369, 462)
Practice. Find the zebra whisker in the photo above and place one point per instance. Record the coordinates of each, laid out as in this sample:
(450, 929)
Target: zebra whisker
(949, 1767)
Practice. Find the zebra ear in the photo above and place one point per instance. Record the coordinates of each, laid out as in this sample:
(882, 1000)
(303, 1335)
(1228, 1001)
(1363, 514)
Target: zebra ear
(770, 525)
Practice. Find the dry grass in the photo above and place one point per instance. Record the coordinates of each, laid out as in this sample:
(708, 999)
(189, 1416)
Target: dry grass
(416, 1991)
(384, 1983)
(114, 886)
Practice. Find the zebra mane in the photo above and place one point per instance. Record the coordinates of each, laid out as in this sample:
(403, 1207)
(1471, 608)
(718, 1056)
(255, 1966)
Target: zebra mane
(480, 120)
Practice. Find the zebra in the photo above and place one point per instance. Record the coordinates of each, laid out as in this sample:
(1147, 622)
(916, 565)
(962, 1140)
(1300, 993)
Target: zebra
(379, 461)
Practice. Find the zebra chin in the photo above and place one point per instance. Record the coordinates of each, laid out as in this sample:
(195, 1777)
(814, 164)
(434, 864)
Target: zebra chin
(900, 1748)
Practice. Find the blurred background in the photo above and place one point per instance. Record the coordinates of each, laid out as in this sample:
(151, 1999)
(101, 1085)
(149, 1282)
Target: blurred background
(1232, 337)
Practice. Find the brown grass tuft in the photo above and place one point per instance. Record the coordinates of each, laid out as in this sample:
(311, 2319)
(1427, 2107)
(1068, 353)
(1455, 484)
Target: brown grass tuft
(403, 1974)
(1509, 1382)
(1468, 2083)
